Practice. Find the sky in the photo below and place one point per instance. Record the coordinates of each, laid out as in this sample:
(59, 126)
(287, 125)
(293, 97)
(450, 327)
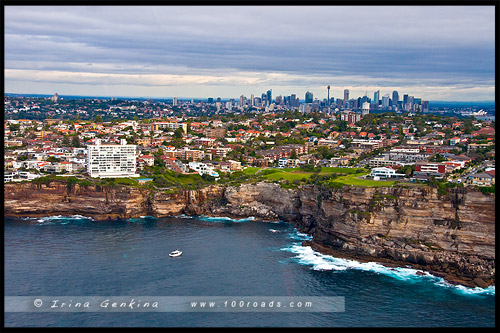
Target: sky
(444, 53)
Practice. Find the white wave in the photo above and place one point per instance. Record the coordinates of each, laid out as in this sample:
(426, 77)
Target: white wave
(463, 290)
(225, 219)
(296, 235)
(305, 255)
(56, 218)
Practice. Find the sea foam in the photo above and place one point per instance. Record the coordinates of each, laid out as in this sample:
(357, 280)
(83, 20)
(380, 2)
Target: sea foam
(59, 219)
(305, 255)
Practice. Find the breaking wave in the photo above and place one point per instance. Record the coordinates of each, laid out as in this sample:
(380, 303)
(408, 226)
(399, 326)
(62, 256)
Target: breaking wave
(225, 219)
(305, 255)
(59, 219)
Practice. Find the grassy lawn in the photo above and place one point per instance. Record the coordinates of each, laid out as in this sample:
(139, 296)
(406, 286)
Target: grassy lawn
(297, 173)
(126, 181)
(353, 180)
(287, 175)
(188, 179)
(251, 170)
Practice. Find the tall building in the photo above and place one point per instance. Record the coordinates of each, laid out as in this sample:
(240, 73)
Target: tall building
(174, 101)
(425, 106)
(55, 97)
(294, 102)
(309, 97)
(346, 95)
(395, 98)
(269, 97)
(385, 101)
(328, 99)
(286, 101)
(405, 98)
(279, 100)
(376, 97)
(242, 101)
(111, 160)
(252, 101)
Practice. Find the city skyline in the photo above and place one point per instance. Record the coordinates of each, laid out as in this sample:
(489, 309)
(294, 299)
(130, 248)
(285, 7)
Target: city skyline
(436, 53)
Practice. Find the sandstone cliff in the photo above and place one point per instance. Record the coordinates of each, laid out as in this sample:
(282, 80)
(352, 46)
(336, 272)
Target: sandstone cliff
(452, 236)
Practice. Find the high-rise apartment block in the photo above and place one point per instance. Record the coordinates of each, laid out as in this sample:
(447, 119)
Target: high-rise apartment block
(111, 160)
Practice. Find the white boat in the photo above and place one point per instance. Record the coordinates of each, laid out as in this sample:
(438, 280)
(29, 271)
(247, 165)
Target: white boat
(275, 231)
(175, 253)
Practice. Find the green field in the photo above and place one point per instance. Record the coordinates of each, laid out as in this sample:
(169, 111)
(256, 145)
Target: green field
(353, 180)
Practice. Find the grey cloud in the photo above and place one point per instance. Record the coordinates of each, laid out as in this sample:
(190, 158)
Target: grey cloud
(451, 44)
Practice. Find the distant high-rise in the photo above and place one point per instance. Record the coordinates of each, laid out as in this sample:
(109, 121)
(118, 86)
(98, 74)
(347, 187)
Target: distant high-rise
(309, 97)
(242, 101)
(376, 97)
(395, 98)
(328, 100)
(252, 101)
(385, 101)
(269, 97)
(425, 106)
(346, 95)
(55, 97)
(294, 101)
(174, 101)
(210, 100)
(279, 100)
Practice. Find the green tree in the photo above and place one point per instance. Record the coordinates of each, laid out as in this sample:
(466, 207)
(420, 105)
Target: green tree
(178, 133)
(65, 141)
(75, 141)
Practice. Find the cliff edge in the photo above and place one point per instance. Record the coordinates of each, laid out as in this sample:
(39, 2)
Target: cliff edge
(451, 235)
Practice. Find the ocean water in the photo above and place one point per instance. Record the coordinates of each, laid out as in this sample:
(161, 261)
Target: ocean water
(78, 256)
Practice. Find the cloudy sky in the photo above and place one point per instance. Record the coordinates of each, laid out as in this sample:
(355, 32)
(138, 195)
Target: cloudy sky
(436, 53)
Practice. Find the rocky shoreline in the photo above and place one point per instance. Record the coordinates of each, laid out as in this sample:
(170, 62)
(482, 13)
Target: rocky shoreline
(449, 236)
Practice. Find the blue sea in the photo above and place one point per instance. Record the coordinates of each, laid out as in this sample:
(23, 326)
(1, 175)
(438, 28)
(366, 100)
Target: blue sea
(79, 256)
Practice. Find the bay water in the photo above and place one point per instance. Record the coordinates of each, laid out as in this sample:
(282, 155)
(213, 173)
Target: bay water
(222, 257)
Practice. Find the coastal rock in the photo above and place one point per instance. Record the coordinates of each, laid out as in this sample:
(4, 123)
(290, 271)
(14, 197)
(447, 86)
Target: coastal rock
(451, 234)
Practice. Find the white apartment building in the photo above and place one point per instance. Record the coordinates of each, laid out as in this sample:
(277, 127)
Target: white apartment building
(383, 172)
(111, 160)
(202, 169)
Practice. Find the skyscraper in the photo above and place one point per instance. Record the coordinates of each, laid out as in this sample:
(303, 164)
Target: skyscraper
(376, 97)
(269, 97)
(174, 101)
(395, 98)
(385, 101)
(242, 101)
(252, 101)
(346, 95)
(328, 100)
(309, 97)
(294, 101)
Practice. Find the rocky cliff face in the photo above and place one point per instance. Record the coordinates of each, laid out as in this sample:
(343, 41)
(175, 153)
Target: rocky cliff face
(452, 236)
